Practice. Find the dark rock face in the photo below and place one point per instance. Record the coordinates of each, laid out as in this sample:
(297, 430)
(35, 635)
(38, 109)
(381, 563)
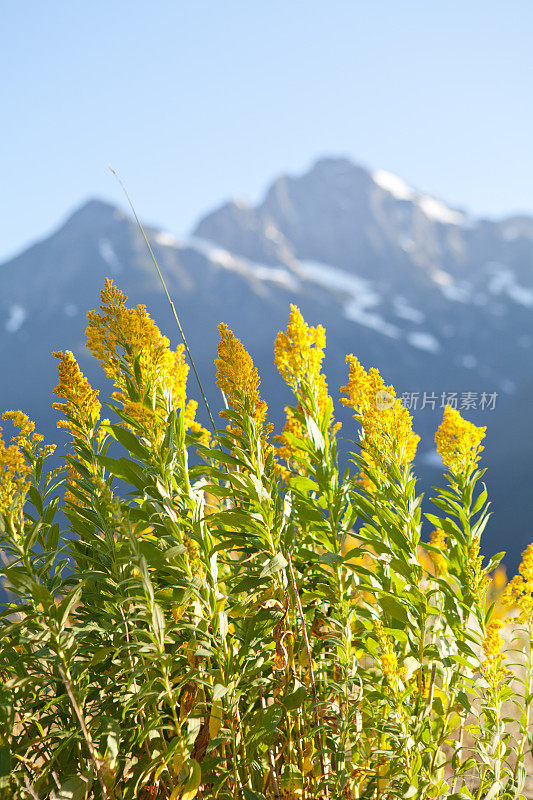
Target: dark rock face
(441, 303)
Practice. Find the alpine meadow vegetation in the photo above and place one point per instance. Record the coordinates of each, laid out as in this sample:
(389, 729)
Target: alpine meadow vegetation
(226, 614)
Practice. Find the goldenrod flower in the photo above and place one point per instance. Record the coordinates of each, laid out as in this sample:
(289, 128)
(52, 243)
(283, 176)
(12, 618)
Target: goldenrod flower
(298, 355)
(149, 376)
(389, 661)
(299, 352)
(499, 578)
(102, 430)
(238, 378)
(526, 567)
(16, 460)
(519, 591)
(82, 407)
(387, 425)
(477, 579)
(26, 427)
(458, 441)
(438, 539)
(143, 416)
(389, 665)
(13, 474)
(127, 338)
(286, 449)
(71, 499)
(492, 667)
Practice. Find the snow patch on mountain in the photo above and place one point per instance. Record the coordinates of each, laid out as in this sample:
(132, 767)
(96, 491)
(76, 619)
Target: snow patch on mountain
(458, 291)
(107, 252)
(403, 310)
(360, 295)
(166, 239)
(393, 184)
(16, 318)
(503, 281)
(261, 272)
(440, 211)
(354, 312)
(424, 341)
(337, 280)
(430, 206)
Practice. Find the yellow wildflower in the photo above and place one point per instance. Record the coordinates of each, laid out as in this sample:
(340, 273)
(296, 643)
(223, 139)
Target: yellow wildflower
(299, 352)
(389, 665)
(526, 567)
(16, 460)
(127, 338)
(13, 474)
(26, 427)
(287, 450)
(149, 376)
(238, 378)
(193, 557)
(387, 425)
(71, 499)
(363, 478)
(82, 407)
(438, 539)
(477, 579)
(519, 591)
(298, 355)
(492, 667)
(458, 441)
(102, 430)
(389, 662)
(143, 416)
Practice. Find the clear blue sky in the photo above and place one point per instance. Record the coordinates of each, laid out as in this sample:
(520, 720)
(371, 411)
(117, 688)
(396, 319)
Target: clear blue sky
(196, 100)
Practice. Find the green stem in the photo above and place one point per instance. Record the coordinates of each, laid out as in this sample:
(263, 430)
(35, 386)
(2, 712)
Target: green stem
(318, 741)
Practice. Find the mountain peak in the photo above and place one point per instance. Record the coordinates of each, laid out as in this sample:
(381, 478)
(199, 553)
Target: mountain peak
(94, 213)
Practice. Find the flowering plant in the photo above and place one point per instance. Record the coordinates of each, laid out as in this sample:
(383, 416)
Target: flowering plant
(256, 624)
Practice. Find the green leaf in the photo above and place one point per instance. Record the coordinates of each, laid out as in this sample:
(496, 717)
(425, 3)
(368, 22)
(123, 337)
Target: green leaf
(125, 470)
(250, 795)
(295, 699)
(72, 789)
(392, 606)
(129, 441)
(270, 719)
(494, 561)
(158, 621)
(65, 607)
(274, 565)
(315, 434)
(493, 791)
(219, 691)
(193, 781)
(331, 558)
(5, 762)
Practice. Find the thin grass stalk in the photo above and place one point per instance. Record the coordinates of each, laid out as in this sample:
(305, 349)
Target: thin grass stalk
(173, 308)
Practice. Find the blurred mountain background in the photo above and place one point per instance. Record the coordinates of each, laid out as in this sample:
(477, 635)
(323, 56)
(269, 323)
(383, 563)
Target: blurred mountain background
(440, 301)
